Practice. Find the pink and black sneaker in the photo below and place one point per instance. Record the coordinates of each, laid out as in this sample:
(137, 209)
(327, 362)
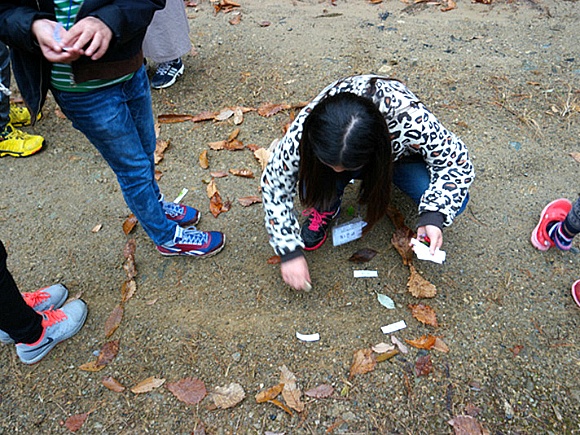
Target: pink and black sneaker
(314, 229)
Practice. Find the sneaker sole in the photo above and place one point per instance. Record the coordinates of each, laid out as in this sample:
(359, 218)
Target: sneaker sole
(534, 237)
(192, 254)
(172, 81)
(4, 153)
(47, 349)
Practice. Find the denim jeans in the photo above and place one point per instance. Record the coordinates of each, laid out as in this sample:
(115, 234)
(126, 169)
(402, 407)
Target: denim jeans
(409, 175)
(5, 80)
(118, 121)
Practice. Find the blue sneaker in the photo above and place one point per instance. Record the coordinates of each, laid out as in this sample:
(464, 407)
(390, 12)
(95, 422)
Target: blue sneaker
(182, 215)
(167, 73)
(192, 242)
(58, 325)
(41, 300)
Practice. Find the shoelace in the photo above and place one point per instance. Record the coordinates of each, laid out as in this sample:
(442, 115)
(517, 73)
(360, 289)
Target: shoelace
(172, 209)
(13, 133)
(317, 218)
(165, 67)
(51, 317)
(191, 236)
(35, 298)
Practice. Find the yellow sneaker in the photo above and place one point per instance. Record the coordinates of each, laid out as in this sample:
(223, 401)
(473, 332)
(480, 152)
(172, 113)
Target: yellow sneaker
(16, 143)
(20, 116)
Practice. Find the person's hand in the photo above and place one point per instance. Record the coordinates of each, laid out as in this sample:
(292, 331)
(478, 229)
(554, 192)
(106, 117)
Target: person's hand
(92, 32)
(295, 273)
(434, 234)
(53, 50)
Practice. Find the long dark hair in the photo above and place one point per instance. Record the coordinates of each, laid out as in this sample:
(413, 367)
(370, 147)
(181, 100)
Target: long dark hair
(349, 131)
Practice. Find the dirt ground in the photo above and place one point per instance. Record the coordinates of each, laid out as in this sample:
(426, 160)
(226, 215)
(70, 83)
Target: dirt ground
(505, 77)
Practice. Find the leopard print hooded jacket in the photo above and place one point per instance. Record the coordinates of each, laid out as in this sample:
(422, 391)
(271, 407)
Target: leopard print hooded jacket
(414, 131)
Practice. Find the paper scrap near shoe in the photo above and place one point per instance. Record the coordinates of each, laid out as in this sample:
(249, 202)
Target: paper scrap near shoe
(422, 252)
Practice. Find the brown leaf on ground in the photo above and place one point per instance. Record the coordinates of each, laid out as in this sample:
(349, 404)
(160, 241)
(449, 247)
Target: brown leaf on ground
(218, 174)
(130, 248)
(107, 354)
(424, 314)
(236, 19)
(485, 2)
(423, 365)
(262, 155)
(74, 422)
(129, 267)
(386, 355)
(467, 425)
(364, 361)
(234, 145)
(219, 145)
(173, 118)
(112, 384)
(217, 206)
(320, 392)
(224, 114)
(228, 397)
(252, 147)
(160, 147)
(204, 160)
(419, 286)
(440, 345)
(211, 188)
(575, 156)
(245, 173)
(401, 241)
(128, 289)
(363, 255)
(233, 135)
(246, 201)
(274, 259)
(238, 116)
(114, 320)
(269, 394)
(281, 406)
(291, 393)
(269, 109)
(449, 6)
(129, 224)
(423, 342)
(188, 390)
(147, 385)
(204, 116)
(158, 174)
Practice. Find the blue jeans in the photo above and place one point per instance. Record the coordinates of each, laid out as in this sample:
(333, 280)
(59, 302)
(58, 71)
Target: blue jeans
(5, 80)
(118, 121)
(409, 175)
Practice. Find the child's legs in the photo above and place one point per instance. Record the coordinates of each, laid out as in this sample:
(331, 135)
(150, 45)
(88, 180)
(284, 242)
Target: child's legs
(572, 221)
(17, 319)
(118, 121)
(411, 176)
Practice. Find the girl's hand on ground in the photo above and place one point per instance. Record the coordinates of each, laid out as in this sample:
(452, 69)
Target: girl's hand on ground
(295, 273)
(435, 236)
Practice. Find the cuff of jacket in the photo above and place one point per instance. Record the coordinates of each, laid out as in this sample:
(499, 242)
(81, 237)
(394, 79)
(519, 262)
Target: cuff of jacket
(431, 218)
(291, 255)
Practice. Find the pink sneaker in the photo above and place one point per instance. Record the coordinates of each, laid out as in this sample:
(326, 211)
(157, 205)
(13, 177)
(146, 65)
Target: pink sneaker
(555, 211)
(576, 292)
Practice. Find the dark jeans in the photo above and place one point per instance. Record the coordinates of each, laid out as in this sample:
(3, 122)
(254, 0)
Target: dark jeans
(18, 320)
(5, 80)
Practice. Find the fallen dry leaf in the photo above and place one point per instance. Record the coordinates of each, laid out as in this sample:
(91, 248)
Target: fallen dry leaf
(424, 314)
(219, 145)
(203, 160)
(320, 392)
(382, 347)
(224, 114)
(274, 259)
(112, 384)
(467, 425)
(204, 116)
(107, 354)
(228, 397)
(401, 240)
(129, 248)
(188, 390)
(364, 361)
(291, 393)
(419, 286)
(402, 348)
(218, 174)
(233, 135)
(217, 206)
(128, 289)
(158, 175)
(281, 406)
(269, 109)
(74, 422)
(160, 147)
(386, 355)
(246, 201)
(173, 118)
(423, 365)
(424, 342)
(147, 385)
(269, 394)
(262, 155)
(450, 6)
(129, 224)
(440, 345)
(114, 320)
(97, 228)
(363, 255)
(575, 156)
(236, 19)
(245, 173)
(211, 188)
(238, 116)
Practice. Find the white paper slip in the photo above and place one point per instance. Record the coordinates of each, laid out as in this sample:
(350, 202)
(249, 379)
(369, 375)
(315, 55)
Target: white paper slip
(422, 252)
(393, 327)
(307, 337)
(366, 274)
(347, 232)
(181, 195)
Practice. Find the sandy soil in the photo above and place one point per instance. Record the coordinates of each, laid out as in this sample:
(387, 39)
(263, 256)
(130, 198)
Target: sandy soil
(505, 77)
